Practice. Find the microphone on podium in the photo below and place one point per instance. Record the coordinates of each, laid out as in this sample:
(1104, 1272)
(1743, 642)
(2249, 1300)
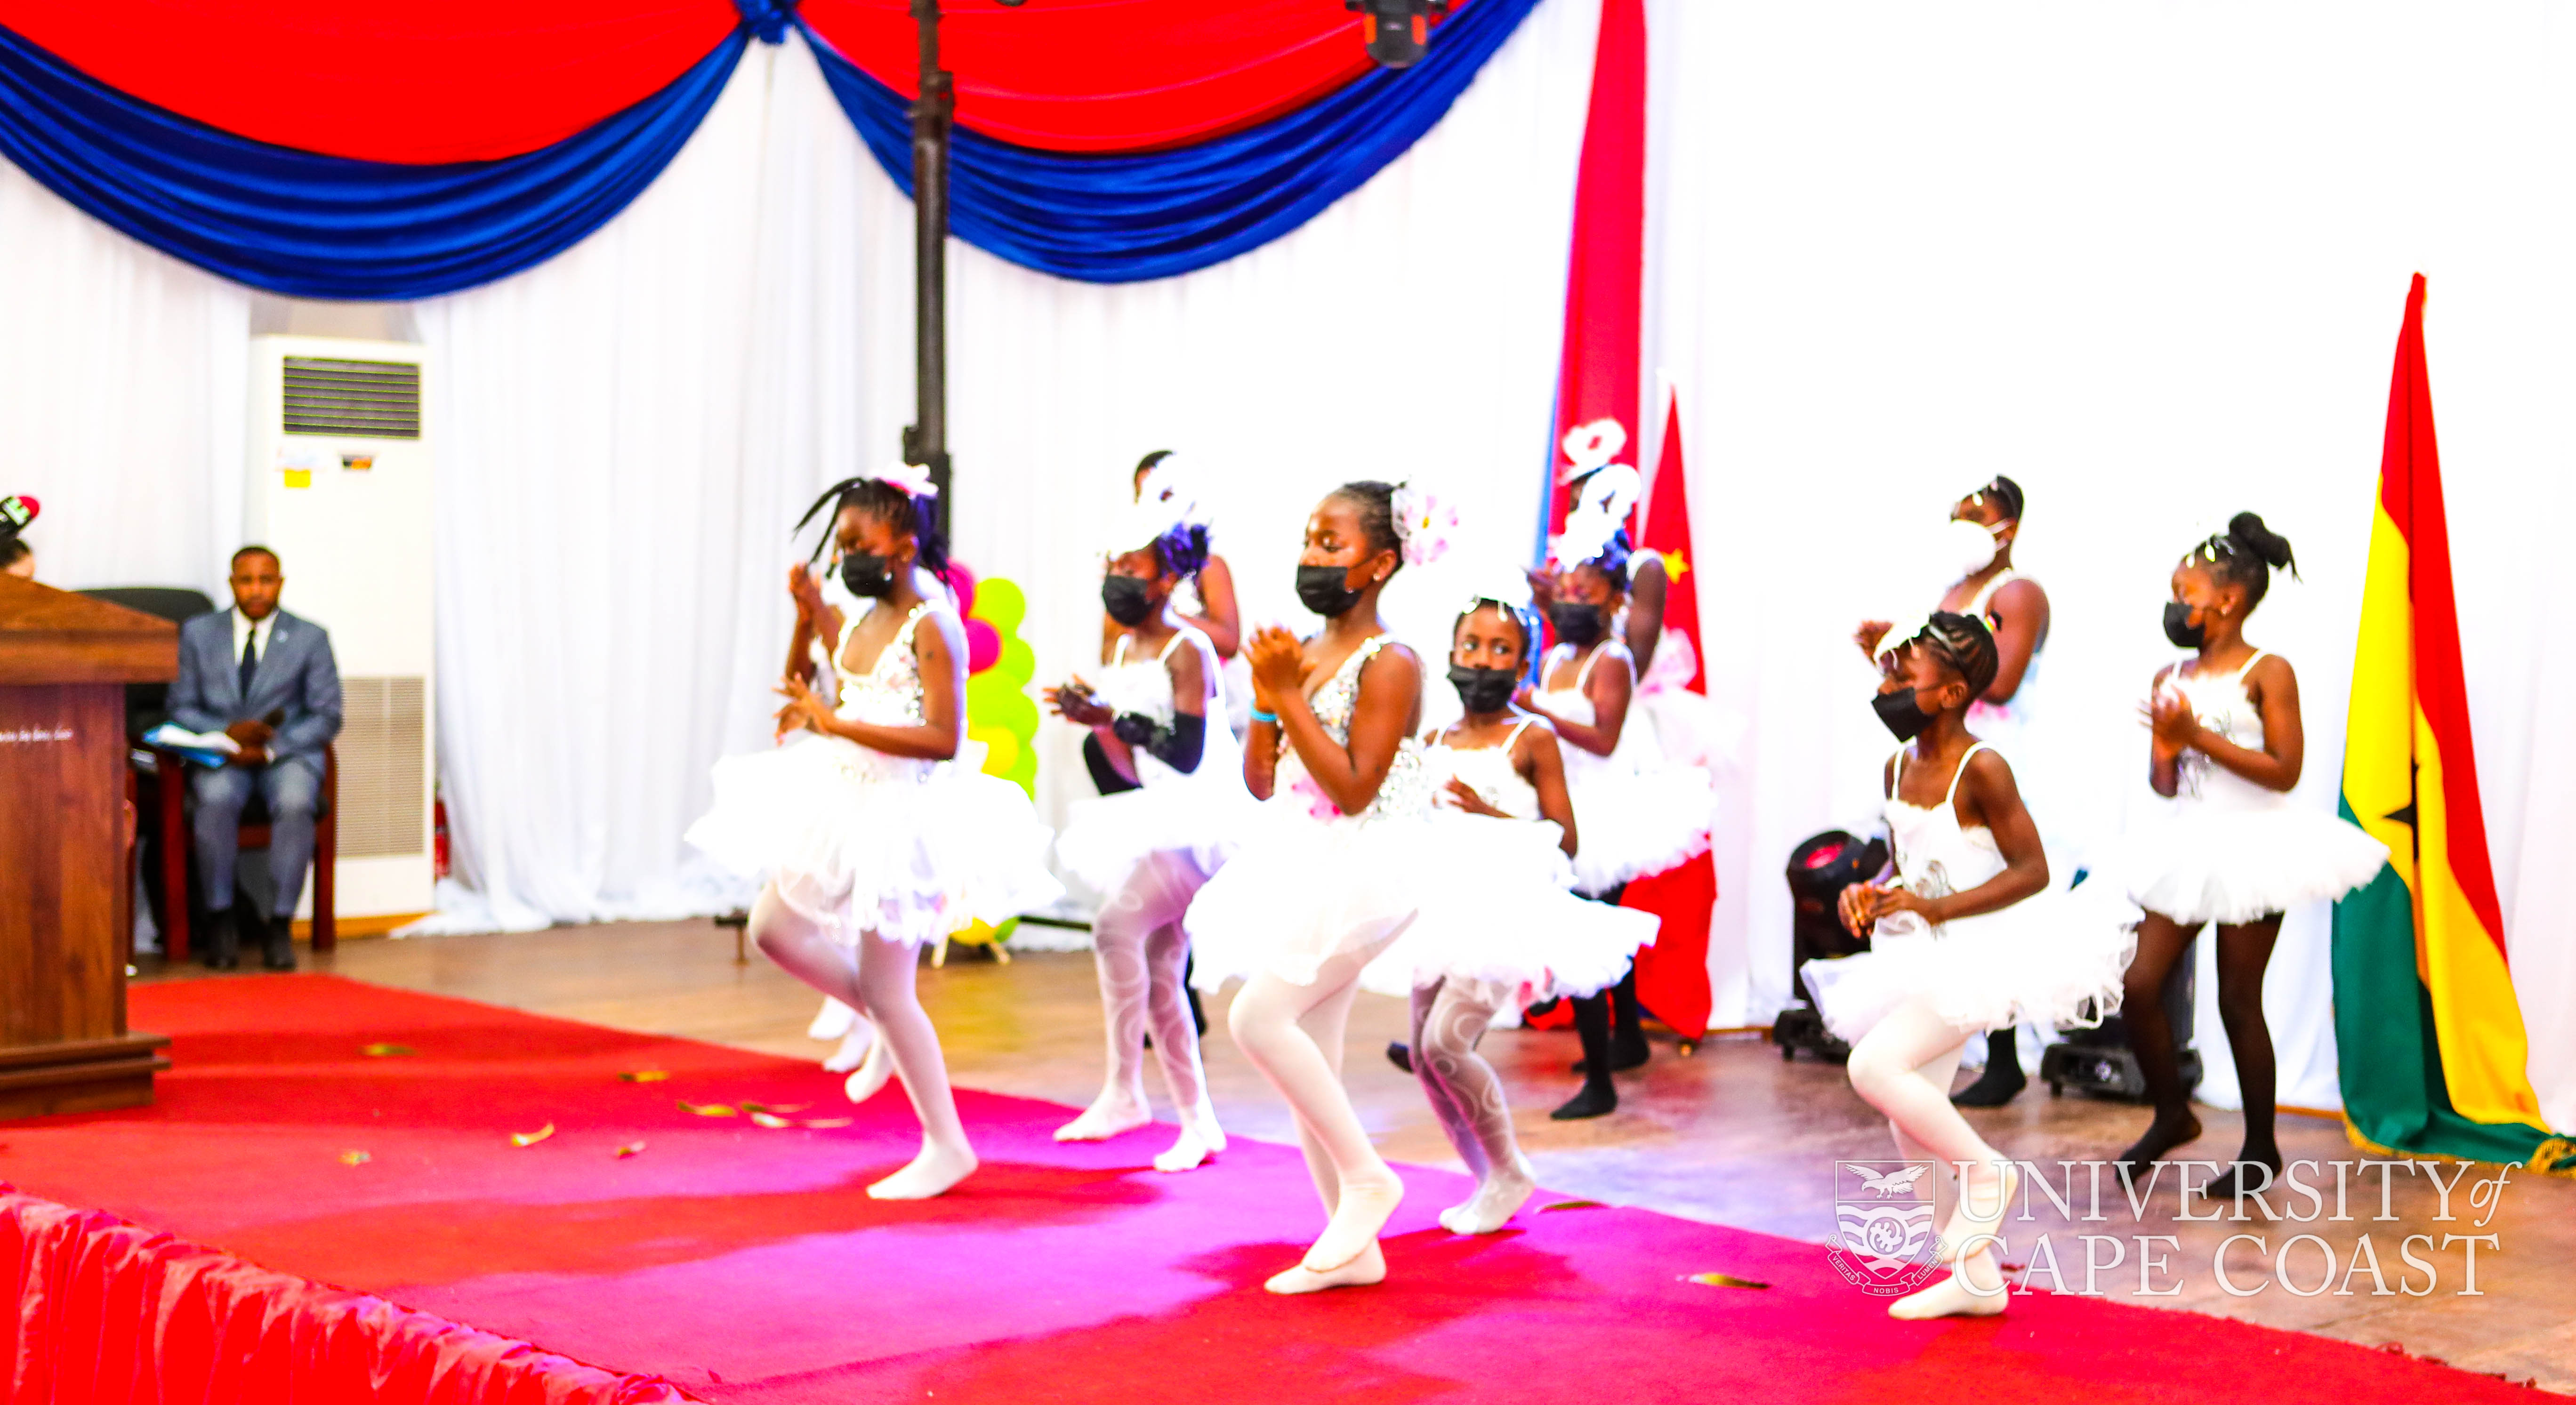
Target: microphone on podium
(15, 513)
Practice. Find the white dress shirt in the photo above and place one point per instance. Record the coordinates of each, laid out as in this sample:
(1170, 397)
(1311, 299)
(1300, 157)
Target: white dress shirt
(245, 631)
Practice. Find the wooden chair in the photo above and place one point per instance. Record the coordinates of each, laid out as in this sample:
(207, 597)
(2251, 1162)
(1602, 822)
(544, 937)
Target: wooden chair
(176, 849)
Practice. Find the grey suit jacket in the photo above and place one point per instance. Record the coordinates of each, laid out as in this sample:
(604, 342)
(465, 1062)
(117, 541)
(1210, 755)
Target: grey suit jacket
(297, 676)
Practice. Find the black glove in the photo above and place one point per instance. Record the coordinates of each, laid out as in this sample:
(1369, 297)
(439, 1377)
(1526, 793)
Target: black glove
(1180, 746)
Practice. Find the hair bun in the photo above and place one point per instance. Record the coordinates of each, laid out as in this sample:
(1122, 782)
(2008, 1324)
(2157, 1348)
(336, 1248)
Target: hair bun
(2248, 532)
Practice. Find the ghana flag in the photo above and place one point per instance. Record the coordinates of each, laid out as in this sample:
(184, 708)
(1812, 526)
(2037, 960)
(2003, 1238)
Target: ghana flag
(2429, 1032)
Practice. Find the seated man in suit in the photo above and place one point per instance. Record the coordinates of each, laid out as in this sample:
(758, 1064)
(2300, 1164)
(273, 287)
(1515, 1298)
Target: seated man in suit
(266, 679)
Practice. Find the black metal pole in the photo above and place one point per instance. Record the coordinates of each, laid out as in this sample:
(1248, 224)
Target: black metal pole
(925, 441)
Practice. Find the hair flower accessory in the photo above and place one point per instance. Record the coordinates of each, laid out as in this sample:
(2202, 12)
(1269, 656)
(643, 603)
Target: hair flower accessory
(910, 479)
(1590, 448)
(1425, 522)
(1171, 484)
(1600, 508)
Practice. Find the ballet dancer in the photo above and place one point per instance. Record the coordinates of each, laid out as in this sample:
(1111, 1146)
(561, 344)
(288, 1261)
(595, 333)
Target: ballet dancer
(2226, 746)
(1498, 923)
(1204, 600)
(1962, 943)
(1640, 814)
(876, 839)
(1987, 524)
(1325, 877)
(822, 603)
(1171, 785)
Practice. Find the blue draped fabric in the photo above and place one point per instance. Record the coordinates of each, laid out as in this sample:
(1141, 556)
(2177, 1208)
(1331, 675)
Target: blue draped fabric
(1128, 218)
(328, 226)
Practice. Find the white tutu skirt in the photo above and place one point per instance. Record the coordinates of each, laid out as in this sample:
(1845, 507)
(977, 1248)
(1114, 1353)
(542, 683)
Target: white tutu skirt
(2057, 959)
(1630, 826)
(1299, 890)
(1105, 837)
(1493, 906)
(2200, 861)
(856, 841)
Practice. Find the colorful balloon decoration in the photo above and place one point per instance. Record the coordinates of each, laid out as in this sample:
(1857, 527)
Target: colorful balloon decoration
(999, 712)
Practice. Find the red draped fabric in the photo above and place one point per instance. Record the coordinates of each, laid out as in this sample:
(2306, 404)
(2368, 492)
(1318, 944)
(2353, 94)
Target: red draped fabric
(413, 81)
(424, 81)
(112, 1313)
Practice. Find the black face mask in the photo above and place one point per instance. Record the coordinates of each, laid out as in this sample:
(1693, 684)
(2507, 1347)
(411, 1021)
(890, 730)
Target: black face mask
(1483, 689)
(1901, 713)
(1326, 590)
(867, 575)
(1124, 598)
(2180, 629)
(1576, 624)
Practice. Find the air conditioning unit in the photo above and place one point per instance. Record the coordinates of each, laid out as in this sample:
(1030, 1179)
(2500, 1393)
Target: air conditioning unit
(340, 476)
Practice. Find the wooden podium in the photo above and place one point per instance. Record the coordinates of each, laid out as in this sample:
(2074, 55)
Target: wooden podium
(65, 895)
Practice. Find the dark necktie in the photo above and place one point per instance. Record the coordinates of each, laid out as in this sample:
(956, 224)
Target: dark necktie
(249, 663)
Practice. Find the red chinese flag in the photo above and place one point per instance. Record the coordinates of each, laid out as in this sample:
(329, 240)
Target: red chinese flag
(1672, 975)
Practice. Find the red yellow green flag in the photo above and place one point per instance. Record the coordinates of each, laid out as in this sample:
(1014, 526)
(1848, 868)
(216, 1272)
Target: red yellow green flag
(2429, 1033)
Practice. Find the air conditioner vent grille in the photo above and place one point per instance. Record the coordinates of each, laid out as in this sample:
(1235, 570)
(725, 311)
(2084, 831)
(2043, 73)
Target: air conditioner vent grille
(384, 770)
(365, 399)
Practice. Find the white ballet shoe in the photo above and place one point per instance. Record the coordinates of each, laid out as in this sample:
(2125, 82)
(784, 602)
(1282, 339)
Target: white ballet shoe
(1359, 1212)
(1498, 1197)
(1366, 1270)
(1958, 1295)
(1978, 1216)
(871, 1076)
(855, 1045)
(1110, 1115)
(832, 1021)
(1192, 1148)
(931, 1173)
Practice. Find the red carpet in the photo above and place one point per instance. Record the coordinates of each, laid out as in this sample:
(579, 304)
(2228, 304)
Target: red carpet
(746, 1264)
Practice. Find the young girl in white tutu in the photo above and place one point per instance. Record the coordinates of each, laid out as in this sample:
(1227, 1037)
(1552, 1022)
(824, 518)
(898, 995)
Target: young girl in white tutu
(1962, 943)
(1640, 813)
(2226, 746)
(1204, 599)
(876, 839)
(1171, 787)
(1497, 922)
(1326, 876)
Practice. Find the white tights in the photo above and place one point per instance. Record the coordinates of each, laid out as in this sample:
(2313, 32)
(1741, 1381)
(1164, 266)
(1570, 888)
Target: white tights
(1449, 1016)
(876, 979)
(1903, 1067)
(1141, 950)
(1293, 1034)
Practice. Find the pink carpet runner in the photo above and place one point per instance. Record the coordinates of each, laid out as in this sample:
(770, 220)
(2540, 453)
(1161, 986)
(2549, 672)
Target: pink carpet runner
(745, 1263)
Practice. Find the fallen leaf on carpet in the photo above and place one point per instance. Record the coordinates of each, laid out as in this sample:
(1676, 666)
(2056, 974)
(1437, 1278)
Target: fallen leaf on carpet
(827, 1122)
(768, 1120)
(1575, 1205)
(355, 1158)
(532, 1138)
(388, 1051)
(749, 1106)
(1722, 1280)
(706, 1109)
(628, 1150)
(644, 1075)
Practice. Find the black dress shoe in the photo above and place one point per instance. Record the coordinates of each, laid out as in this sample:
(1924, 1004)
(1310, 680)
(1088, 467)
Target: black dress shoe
(279, 954)
(1399, 1054)
(223, 941)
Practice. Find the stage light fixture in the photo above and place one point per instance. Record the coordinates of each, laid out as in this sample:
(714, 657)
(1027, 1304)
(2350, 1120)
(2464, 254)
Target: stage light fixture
(1399, 31)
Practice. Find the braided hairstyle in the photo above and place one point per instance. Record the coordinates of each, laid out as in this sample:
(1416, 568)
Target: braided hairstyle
(2246, 554)
(1965, 644)
(917, 517)
(1612, 562)
(1522, 618)
(1375, 502)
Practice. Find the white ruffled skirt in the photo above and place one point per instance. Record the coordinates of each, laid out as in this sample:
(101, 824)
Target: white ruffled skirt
(1300, 890)
(2226, 860)
(2056, 959)
(1630, 826)
(1494, 906)
(856, 841)
(1105, 837)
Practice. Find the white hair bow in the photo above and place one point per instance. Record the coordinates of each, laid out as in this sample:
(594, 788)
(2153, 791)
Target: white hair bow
(910, 479)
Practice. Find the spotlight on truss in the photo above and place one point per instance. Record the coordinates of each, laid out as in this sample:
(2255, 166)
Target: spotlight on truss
(1398, 30)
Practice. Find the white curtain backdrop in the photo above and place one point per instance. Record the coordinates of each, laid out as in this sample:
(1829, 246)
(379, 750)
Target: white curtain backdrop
(2149, 262)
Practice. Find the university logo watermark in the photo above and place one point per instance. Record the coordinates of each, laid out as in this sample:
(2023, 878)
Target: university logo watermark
(1885, 1242)
(2319, 1229)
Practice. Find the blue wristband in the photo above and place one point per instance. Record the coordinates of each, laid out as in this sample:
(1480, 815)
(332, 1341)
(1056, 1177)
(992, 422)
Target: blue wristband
(1270, 717)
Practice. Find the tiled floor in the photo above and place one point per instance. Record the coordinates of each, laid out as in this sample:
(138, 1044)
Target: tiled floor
(1733, 1134)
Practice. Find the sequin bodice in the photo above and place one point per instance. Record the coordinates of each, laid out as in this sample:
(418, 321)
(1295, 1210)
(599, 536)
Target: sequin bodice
(1406, 791)
(889, 692)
